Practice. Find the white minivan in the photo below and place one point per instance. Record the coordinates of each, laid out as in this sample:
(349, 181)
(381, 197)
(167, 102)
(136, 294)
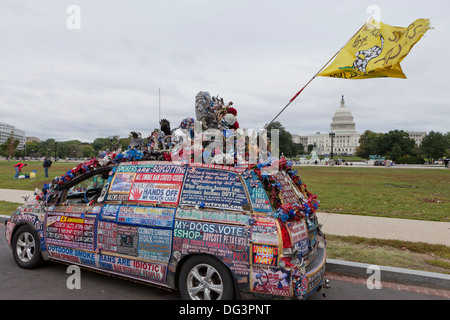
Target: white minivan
(209, 231)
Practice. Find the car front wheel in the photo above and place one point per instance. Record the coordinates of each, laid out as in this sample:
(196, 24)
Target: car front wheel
(26, 248)
(205, 278)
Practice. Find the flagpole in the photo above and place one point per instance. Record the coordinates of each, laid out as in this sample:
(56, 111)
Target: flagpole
(298, 93)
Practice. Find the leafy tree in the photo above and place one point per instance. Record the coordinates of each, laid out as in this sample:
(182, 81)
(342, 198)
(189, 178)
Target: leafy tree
(447, 137)
(101, 144)
(435, 145)
(396, 152)
(396, 144)
(287, 146)
(48, 147)
(32, 148)
(368, 144)
(88, 150)
(8, 148)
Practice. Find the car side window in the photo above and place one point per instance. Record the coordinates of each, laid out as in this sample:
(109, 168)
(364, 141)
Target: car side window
(258, 196)
(52, 197)
(87, 190)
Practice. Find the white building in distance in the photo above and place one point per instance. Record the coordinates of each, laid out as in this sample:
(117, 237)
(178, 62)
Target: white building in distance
(345, 139)
(6, 130)
(417, 136)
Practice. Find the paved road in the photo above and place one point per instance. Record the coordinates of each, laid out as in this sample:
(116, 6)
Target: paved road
(49, 282)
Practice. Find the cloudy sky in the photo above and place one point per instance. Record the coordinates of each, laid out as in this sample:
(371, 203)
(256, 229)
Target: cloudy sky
(105, 77)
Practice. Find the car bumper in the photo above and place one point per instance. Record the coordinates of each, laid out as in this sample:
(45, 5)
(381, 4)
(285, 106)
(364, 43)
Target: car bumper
(314, 276)
(290, 282)
(9, 227)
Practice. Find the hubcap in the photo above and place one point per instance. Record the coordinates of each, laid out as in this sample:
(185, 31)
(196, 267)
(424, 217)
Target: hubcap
(25, 247)
(204, 283)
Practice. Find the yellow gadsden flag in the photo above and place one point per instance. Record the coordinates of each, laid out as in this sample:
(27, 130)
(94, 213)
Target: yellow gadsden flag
(376, 51)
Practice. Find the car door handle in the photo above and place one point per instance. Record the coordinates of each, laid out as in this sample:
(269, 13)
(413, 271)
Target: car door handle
(112, 218)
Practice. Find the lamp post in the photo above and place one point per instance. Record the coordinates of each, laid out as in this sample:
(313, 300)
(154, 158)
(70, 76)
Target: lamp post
(332, 135)
(111, 138)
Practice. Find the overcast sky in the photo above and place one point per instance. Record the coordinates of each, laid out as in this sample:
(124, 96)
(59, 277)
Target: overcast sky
(104, 78)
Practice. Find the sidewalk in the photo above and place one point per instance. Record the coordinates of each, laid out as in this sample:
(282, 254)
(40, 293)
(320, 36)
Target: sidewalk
(431, 232)
(11, 195)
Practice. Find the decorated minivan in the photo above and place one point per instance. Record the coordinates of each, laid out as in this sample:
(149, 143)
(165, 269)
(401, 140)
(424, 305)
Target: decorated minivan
(208, 230)
(211, 231)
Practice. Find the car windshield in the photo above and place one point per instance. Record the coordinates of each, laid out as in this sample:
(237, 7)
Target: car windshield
(97, 181)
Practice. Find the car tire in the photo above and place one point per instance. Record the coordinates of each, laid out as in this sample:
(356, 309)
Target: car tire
(205, 278)
(26, 248)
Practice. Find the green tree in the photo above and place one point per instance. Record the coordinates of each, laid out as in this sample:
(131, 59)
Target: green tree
(100, 144)
(48, 147)
(287, 146)
(395, 144)
(8, 148)
(447, 152)
(71, 149)
(368, 144)
(396, 152)
(435, 145)
(88, 150)
(32, 148)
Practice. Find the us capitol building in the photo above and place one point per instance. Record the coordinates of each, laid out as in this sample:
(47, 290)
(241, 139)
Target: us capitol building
(345, 139)
(344, 135)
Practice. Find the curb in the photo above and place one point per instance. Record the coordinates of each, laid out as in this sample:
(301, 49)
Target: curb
(360, 270)
(399, 275)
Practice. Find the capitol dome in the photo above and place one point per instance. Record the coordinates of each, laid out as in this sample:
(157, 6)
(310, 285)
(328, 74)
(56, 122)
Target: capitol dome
(342, 138)
(342, 120)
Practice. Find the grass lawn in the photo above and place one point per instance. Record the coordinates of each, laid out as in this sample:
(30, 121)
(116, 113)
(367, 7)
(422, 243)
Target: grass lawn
(7, 172)
(400, 254)
(378, 191)
(8, 208)
(386, 192)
